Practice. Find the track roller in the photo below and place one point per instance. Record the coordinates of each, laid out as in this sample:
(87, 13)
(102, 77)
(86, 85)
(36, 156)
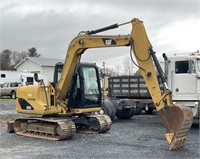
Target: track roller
(51, 129)
(93, 123)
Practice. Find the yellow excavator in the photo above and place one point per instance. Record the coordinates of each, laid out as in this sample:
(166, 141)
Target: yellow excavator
(73, 101)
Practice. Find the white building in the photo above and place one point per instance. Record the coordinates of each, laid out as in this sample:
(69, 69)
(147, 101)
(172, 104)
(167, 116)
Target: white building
(44, 66)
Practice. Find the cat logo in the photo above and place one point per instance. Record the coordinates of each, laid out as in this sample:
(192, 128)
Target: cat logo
(28, 107)
(108, 41)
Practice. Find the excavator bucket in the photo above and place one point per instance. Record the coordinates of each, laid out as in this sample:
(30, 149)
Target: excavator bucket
(177, 121)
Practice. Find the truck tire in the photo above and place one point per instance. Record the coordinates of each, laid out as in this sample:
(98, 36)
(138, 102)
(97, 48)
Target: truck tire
(109, 108)
(125, 113)
(13, 95)
(137, 111)
(149, 111)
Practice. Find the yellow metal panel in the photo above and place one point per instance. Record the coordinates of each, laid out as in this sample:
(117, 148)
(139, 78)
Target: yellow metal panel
(36, 97)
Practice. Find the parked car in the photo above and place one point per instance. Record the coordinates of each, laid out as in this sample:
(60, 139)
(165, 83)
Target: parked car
(9, 89)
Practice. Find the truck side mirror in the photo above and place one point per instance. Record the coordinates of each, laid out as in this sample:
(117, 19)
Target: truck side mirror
(191, 67)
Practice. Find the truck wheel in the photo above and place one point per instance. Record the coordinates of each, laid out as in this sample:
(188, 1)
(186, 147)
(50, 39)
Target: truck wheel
(137, 111)
(125, 113)
(13, 95)
(109, 108)
(149, 111)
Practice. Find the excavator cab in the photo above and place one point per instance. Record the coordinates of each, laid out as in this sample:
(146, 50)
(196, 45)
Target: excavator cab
(85, 89)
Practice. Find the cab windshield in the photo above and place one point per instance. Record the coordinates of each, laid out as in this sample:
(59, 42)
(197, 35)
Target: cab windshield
(91, 89)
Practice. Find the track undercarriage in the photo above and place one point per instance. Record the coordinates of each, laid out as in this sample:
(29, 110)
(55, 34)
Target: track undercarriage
(59, 129)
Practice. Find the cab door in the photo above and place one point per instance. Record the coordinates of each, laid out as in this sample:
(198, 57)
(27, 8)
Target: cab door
(90, 86)
(184, 79)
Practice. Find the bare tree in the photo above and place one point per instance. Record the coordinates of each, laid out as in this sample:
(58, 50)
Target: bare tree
(129, 67)
(10, 58)
(118, 69)
(17, 57)
(111, 72)
(5, 57)
(108, 72)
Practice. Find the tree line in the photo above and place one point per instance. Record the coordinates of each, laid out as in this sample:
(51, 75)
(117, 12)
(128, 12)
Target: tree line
(9, 59)
(126, 67)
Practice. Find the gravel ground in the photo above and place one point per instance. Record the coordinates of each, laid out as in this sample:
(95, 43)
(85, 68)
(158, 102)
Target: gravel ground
(141, 137)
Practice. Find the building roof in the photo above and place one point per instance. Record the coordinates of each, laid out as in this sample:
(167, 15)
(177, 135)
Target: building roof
(41, 61)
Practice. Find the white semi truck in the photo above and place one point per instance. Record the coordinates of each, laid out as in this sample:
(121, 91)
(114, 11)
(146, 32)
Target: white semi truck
(183, 78)
(130, 94)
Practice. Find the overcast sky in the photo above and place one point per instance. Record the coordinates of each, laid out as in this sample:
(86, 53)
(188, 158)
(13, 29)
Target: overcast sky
(173, 26)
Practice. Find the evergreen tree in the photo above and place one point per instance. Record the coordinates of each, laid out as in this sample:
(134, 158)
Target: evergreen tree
(32, 52)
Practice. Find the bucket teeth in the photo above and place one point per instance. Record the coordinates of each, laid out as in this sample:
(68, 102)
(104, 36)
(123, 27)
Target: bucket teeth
(177, 143)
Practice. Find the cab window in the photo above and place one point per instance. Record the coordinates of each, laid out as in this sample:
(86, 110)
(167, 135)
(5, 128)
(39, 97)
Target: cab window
(181, 67)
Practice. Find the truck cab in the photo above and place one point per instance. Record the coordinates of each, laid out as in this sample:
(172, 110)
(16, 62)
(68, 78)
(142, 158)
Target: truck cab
(183, 78)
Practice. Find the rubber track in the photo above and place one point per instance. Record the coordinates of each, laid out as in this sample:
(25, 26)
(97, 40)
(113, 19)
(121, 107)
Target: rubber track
(67, 129)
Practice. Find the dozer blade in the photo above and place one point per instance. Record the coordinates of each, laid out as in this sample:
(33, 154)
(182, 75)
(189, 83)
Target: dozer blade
(177, 120)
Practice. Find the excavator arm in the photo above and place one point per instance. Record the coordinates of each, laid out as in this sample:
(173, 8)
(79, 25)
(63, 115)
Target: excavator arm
(176, 119)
